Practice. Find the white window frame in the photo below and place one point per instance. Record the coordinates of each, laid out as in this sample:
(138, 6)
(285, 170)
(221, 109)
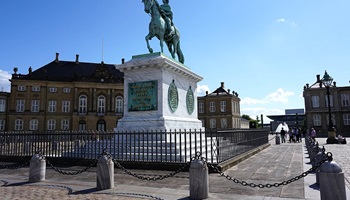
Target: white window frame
(212, 106)
(317, 120)
(119, 105)
(53, 89)
(2, 105)
(212, 123)
(223, 122)
(19, 124)
(51, 124)
(345, 98)
(21, 88)
(66, 90)
(223, 106)
(65, 106)
(35, 106)
(33, 124)
(36, 89)
(20, 105)
(201, 107)
(331, 100)
(315, 101)
(83, 104)
(346, 119)
(52, 106)
(101, 104)
(65, 124)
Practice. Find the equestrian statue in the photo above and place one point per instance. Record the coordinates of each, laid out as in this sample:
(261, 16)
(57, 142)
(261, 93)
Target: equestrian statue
(163, 28)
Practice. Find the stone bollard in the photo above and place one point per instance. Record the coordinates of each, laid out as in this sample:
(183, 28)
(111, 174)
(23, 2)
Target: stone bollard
(278, 139)
(105, 173)
(332, 184)
(199, 180)
(37, 168)
(319, 157)
(315, 149)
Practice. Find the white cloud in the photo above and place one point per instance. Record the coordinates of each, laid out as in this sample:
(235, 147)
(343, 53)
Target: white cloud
(279, 96)
(4, 81)
(201, 89)
(282, 20)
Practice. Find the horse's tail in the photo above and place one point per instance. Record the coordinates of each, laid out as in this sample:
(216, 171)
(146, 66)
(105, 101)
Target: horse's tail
(180, 54)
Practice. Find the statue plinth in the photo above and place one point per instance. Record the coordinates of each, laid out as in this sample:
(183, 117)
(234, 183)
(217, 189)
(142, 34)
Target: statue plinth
(159, 94)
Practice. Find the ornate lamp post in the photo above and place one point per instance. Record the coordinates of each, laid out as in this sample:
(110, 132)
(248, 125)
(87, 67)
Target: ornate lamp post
(327, 81)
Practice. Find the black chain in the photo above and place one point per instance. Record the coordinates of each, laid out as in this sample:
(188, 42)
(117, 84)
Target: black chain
(14, 167)
(71, 173)
(130, 194)
(327, 157)
(148, 178)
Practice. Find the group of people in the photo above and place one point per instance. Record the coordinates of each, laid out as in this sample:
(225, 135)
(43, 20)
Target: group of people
(293, 134)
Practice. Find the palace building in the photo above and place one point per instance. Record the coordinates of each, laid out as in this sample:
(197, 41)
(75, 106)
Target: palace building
(64, 95)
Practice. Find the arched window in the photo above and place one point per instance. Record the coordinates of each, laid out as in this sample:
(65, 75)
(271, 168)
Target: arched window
(101, 104)
(33, 124)
(119, 105)
(82, 125)
(101, 125)
(82, 104)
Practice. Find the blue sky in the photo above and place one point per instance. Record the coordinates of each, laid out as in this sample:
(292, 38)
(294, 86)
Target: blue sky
(266, 51)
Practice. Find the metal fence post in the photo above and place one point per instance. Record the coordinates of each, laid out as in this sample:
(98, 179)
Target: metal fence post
(105, 173)
(37, 168)
(199, 179)
(332, 184)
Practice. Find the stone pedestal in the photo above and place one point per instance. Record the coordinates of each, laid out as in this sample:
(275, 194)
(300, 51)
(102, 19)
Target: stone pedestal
(160, 94)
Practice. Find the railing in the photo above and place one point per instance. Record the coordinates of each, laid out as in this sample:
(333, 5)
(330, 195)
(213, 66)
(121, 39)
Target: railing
(160, 146)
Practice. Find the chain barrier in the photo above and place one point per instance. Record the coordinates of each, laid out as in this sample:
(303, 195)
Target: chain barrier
(327, 157)
(131, 194)
(14, 167)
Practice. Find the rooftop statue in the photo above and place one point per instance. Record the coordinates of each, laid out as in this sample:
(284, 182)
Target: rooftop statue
(163, 28)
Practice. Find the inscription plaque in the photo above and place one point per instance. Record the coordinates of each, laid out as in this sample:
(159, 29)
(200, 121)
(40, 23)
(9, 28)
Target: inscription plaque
(173, 97)
(143, 96)
(190, 100)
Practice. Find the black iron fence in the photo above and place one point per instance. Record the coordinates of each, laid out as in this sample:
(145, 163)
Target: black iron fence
(158, 146)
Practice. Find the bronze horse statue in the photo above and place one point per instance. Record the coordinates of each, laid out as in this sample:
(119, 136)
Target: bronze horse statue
(158, 28)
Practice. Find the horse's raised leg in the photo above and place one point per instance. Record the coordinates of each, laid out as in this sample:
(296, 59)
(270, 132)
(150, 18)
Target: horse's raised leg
(161, 44)
(149, 37)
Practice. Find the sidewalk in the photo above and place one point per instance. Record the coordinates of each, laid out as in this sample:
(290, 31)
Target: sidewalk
(275, 164)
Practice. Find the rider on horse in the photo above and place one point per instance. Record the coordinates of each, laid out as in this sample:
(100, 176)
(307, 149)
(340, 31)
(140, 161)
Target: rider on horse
(167, 15)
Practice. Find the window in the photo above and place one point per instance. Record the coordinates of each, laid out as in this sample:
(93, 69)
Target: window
(19, 124)
(65, 106)
(52, 106)
(2, 105)
(101, 125)
(21, 88)
(33, 125)
(223, 106)
(212, 106)
(51, 124)
(346, 119)
(82, 125)
(82, 104)
(36, 89)
(119, 105)
(315, 101)
(223, 123)
(2, 125)
(20, 105)
(201, 107)
(53, 89)
(212, 123)
(65, 124)
(333, 119)
(331, 100)
(317, 120)
(345, 99)
(66, 90)
(35, 106)
(101, 101)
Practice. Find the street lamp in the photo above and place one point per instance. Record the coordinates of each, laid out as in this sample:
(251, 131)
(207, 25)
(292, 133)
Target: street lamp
(327, 81)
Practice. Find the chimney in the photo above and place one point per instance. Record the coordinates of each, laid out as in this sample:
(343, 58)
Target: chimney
(318, 78)
(123, 60)
(228, 91)
(56, 60)
(222, 84)
(77, 59)
(335, 84)
(307, 85)
(206, 93)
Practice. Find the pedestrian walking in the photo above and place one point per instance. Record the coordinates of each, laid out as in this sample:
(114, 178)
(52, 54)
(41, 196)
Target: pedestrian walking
(283, 135)
(313, 133)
